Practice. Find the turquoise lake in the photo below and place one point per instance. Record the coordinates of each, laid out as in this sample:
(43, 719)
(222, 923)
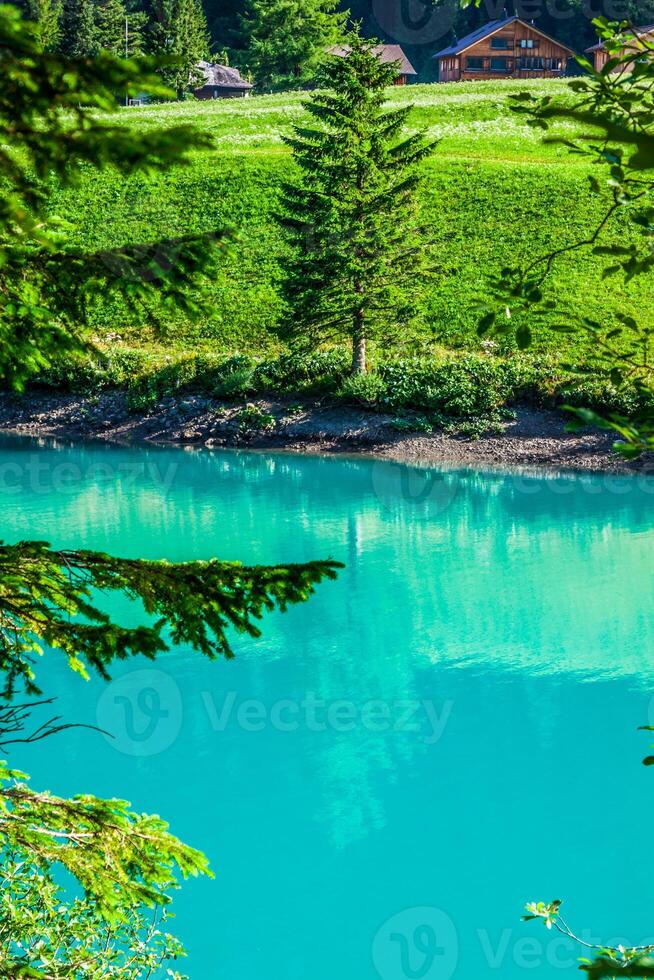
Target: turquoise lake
(386, 776)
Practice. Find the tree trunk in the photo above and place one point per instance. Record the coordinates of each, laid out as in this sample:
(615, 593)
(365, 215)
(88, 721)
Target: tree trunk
(359, 356)
(359, 345)
(359, 334)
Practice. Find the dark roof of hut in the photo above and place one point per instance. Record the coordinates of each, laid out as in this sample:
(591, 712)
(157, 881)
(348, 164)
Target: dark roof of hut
(638, 31)
(387, 53)
(221, 76)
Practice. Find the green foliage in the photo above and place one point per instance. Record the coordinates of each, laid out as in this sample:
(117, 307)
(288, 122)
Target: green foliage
(45, 936)
(86, 835)
(311, 373)
(47, 600)
(178, 32)
(48, 131)
(615, 111)
(79, 33)
(90, 373)
(412, 423)
(46, 17)
(610, 961)
(111, 19)
(252, 419)
(145, 391)
(149, 378)
(286, 40)
(468, 386)
(466, 393)
(352, 214)
(481, 203)
(367, 389)
(231, 378)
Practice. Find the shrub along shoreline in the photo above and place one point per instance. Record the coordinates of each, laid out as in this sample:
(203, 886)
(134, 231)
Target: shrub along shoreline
(460, 393)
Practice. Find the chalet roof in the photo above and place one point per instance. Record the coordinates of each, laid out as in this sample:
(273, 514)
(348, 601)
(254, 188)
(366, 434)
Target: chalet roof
(387, 53)
(222, 76)
(492, 27)
(640, 31)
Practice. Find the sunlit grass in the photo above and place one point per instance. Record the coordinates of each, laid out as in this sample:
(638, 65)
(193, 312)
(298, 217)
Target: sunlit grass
(494, 194)
(464, 116)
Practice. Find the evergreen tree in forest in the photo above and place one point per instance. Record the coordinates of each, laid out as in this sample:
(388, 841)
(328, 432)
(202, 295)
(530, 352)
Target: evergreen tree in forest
(351, 214)
(79, 33)
(286, 40)
(46, 16)
(178, 29)
(117, 30)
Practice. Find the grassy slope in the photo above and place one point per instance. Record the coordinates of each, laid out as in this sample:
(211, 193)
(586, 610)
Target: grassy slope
(494, 194)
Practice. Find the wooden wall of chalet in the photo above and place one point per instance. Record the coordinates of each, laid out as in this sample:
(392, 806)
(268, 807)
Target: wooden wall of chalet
(554, 57)
(600, 56)
(220, 92)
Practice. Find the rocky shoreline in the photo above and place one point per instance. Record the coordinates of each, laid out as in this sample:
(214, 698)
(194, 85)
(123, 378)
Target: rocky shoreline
(535, 438)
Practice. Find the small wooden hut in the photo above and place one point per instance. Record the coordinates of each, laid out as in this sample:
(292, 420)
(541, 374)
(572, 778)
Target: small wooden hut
(643, 38)
(221, 82)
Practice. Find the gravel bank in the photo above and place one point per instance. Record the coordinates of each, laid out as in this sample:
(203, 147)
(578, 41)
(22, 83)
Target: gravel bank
(534, 438)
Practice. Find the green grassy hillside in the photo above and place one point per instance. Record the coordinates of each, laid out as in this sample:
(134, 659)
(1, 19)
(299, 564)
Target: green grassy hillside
(494, 193)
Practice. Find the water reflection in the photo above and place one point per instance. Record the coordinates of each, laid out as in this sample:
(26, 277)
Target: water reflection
(390, 741)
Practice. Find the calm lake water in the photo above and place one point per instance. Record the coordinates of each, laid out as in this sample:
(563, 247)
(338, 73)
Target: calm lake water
(388, 774)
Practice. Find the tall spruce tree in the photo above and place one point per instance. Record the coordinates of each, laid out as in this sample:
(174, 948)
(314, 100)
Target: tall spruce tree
(352, 213)
(46, 16)
(285, 41)
(178, 30)
(118, 30)
(79, 32)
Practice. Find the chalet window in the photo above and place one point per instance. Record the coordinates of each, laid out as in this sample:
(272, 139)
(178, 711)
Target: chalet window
(499, 64)
(528, 42)
(475, 64)
(500, 43)
(531, 64)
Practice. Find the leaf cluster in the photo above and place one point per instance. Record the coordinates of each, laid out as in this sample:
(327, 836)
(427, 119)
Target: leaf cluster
(615, 111)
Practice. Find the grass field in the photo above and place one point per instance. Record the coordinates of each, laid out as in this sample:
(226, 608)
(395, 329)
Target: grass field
(494, 193)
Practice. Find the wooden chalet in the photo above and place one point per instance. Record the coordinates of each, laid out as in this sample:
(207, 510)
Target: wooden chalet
(506, 48)
(643, 39)
(387, 54)
(221, 82)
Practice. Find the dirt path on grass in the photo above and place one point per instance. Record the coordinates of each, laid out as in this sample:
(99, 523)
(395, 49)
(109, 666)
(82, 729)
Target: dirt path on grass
(535, 438)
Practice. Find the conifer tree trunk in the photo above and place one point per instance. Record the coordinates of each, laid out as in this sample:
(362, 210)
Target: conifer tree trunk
(359, 342)
(359, 326)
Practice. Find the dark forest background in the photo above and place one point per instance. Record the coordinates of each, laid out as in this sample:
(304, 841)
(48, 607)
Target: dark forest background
(277, 43)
